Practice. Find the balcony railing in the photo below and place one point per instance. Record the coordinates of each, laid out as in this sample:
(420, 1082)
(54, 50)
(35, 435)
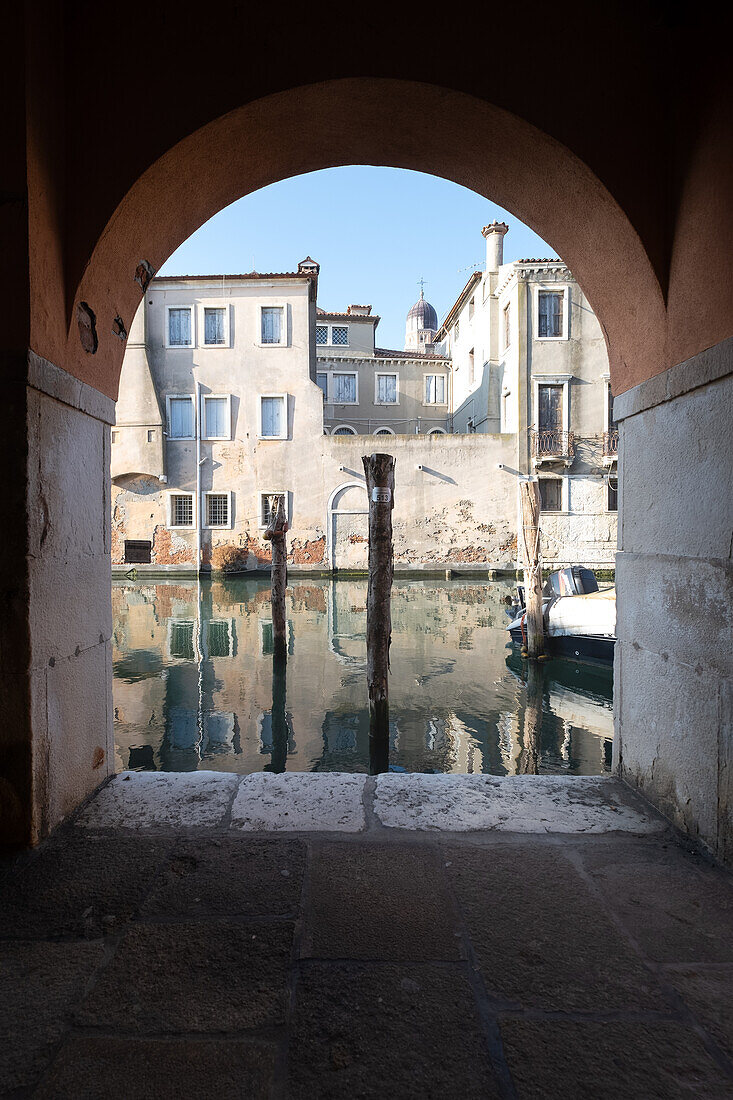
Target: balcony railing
(610, 444)
(550, 444)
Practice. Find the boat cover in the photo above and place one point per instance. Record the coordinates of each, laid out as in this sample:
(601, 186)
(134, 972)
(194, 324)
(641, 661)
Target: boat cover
(594, 614)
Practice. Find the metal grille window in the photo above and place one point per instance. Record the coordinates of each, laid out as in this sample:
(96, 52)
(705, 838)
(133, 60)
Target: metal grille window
(272, 324)
(550, 313)
(269, 504)
(435, 389)
(551, 494)
(218, 642)
(343, 430)
(340, 335)
(181, 640)
(179, 327)
(387, 389)
(182, 510)
(217, 509)
(214, 325)
(321, 335)
(344, 389)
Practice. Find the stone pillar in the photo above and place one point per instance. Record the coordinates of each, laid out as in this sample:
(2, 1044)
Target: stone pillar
(674, 579)
(69, 581)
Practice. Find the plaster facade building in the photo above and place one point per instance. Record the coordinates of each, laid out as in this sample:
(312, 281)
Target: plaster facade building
(223, 412)
(370, 390)
(529, 366)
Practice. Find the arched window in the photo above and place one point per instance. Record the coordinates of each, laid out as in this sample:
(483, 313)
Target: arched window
(437, 431)
(344, 429)
(384, 431)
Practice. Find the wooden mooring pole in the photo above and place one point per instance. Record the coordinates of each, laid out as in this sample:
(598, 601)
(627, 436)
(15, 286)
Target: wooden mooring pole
(275, 535)
(379, 471)
(532, 564)
(528, 761)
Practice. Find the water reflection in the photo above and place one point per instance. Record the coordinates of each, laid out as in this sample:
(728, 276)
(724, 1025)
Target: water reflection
(195, 687)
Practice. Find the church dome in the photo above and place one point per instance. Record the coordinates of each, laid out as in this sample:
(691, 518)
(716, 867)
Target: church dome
(424, 314)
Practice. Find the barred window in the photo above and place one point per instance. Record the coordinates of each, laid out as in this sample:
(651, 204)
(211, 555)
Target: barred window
(321, 335)
(217, 509)
(214, 325)
(340, 335)
(269, 504)
(182, 510)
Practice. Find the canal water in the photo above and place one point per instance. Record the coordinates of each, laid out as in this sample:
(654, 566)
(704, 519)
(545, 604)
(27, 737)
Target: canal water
(193, 682)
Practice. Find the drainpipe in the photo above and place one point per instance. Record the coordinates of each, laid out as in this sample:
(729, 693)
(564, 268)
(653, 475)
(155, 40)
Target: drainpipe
(197, 392)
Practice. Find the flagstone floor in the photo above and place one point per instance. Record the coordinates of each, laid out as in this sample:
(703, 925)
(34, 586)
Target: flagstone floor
(337, 936)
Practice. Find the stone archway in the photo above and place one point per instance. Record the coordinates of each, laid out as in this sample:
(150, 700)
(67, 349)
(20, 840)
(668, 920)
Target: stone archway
(85, 272)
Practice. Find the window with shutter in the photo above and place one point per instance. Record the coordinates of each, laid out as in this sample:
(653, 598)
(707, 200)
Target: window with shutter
(179, 327)
(344, 389)
(387, 389)
(214, 325)
(180, 417)
(272, 325)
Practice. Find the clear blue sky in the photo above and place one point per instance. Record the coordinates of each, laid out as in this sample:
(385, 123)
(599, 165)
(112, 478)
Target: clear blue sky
(375, 232)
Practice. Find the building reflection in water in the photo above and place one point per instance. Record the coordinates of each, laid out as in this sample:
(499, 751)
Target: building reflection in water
(194, 685)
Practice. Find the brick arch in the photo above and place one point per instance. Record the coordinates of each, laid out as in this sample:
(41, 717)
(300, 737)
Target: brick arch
(369, 121)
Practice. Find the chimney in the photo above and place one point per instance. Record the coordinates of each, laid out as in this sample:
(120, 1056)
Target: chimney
(494, 234)
(358, 311)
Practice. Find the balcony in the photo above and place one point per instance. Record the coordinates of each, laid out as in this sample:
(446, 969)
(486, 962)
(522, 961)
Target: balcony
(610, 447)
(552, 445)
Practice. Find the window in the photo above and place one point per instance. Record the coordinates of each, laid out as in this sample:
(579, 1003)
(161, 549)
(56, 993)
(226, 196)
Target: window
(137, 551)
(215, 326)
(180, 510)
(273, 416)
(115, 436)
(613, 494)
(457, 331)
(219, 638)
(151, 435)
(322, 381)
(471, 308)
(273, 324)
(612, 425)
(218, 509)
(550, 411)
(345, 390)
(344, 429)
(471, 368)
(551, 494)
(507, 325)
(551, 314)
(269, 504)
(384, 431)
(321, 335)
(180, 639)
(340, 335)
(385, 389)
(180, 416)
(435, 389)
(437, 431)
(217, 416)
(180, 327)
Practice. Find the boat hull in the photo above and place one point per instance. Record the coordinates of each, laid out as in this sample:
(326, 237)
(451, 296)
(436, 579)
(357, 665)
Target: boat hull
(577, 647)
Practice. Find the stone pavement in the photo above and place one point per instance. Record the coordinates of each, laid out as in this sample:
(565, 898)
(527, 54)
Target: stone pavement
(335, 936)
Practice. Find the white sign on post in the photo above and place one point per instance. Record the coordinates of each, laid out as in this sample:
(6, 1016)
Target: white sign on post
(381, 496)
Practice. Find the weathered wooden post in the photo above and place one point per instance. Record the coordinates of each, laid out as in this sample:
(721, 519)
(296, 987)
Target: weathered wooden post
(532, 564)
(275, 535)
(379, 471)
(528, 762)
